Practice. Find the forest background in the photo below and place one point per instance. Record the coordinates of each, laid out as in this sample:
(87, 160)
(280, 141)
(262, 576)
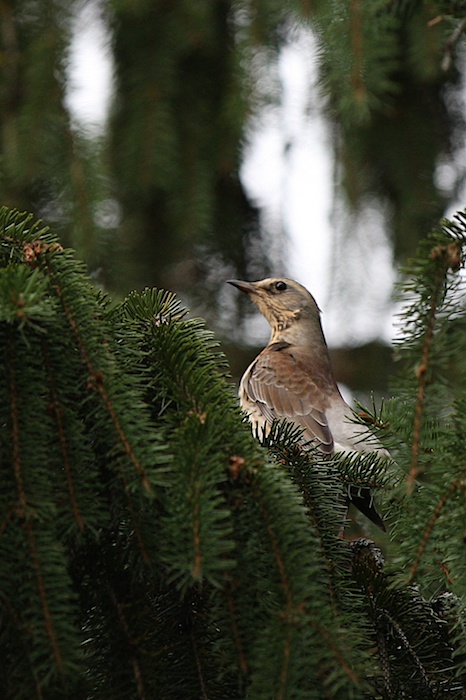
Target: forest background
(150, 546)
(156, 197)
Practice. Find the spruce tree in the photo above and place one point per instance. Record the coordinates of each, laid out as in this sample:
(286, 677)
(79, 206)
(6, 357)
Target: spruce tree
(151, 547)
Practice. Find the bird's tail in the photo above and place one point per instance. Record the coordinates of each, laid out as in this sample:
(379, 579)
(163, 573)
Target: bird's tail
(363, 499)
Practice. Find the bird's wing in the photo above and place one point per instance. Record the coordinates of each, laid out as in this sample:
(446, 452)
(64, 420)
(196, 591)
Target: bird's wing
(278, 385)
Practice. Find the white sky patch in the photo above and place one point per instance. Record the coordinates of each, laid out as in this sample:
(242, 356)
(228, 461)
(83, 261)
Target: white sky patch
(90, 69)
(287, 169)
(361, 307)
(308, 187)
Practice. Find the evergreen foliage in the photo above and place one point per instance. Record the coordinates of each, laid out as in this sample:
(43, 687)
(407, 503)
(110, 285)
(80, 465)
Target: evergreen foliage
(176, 128)
(188, 79)
(46, 165)
(185, 90)
(391, 72)
(151, 547)
(430, 391)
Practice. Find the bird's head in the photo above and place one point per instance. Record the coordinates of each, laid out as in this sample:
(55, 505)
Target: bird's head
(282, 301)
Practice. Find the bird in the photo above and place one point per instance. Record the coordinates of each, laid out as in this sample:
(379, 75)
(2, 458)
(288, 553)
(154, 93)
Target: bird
(292, 378)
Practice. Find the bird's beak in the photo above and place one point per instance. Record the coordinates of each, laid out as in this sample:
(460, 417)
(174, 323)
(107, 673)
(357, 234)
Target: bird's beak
(248, 287)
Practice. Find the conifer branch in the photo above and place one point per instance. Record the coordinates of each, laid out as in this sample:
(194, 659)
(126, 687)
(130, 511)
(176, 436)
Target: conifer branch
(422, 372)
(15, 427)
(398, 629)
(321, 535)
(455, 485)
(8, 517)
(124, 626)
(284, 614)
(22, 505)
(57, 412)
(244, 666)
(136, 524)
(197, 565)
(283, 442)
(451, 42)
(49, 626)
(200, 673)
(357, 46)
(342, 663)
(287, 615)
(26, 654)
(97, 382)
(385, 661)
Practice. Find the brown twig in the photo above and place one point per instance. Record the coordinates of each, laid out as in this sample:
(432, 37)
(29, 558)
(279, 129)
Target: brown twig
(422, 374)
(137, 671)
(290, 605)
(357, 46)
(21, 508)
(455, 485)
(58, 415)
(451, 44)
(233, 618)
(97, 382)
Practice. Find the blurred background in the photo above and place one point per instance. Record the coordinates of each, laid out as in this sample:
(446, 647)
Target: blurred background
(179, 143)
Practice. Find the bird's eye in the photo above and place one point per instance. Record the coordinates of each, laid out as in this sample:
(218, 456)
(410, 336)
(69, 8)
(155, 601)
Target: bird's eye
(281, 286)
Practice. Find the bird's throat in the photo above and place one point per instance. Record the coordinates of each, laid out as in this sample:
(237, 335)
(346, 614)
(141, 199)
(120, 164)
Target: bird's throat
(283, 323)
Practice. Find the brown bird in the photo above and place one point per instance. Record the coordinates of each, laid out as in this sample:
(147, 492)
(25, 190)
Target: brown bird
(292, 378)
